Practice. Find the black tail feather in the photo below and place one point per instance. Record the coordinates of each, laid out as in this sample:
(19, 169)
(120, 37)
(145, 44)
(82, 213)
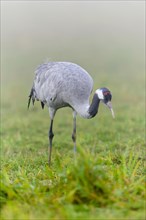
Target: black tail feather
(42, 104)
(31, 97)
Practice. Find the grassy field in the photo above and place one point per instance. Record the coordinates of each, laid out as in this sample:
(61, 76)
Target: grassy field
(106, 181)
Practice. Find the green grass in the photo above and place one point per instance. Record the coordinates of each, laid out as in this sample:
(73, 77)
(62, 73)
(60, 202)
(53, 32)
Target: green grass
(106, 181)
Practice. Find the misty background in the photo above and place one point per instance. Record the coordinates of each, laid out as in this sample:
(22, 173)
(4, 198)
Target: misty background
(104, 37)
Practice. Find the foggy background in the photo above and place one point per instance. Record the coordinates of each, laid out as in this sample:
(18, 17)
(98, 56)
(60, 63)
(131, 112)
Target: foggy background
(104, 37)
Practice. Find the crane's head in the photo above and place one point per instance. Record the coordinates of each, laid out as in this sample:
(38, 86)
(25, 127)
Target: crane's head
(105, 96)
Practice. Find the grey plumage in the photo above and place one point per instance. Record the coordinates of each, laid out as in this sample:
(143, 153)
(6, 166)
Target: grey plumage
(58, 84)
(61, 84)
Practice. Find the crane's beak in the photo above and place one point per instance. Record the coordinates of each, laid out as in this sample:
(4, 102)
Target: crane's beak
(109, 105)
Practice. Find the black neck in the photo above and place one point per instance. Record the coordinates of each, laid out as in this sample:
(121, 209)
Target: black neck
(93, 109)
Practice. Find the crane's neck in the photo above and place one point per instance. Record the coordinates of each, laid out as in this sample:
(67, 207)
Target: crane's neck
(87, 110)
(93, 109)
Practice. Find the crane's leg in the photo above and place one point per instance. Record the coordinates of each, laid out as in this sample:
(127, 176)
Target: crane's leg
(51, 135)
(74, 131)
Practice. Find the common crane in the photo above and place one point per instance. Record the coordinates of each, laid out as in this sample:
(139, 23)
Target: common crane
(61, 84)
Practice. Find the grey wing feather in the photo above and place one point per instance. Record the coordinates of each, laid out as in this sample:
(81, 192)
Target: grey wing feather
(60, 84)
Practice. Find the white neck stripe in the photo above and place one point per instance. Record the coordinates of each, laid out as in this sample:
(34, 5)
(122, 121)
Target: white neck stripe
(99, 93)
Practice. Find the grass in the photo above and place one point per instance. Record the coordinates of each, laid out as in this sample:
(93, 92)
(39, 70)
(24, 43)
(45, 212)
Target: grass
(107, 179)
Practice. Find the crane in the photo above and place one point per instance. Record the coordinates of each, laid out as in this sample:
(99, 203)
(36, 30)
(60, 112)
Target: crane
(66, 84)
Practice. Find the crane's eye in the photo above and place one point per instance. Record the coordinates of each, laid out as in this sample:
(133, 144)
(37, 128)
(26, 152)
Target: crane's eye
(107, 97)
(106, 93)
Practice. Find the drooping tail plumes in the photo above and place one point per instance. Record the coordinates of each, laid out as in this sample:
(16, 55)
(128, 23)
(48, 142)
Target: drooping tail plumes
(31, 97)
